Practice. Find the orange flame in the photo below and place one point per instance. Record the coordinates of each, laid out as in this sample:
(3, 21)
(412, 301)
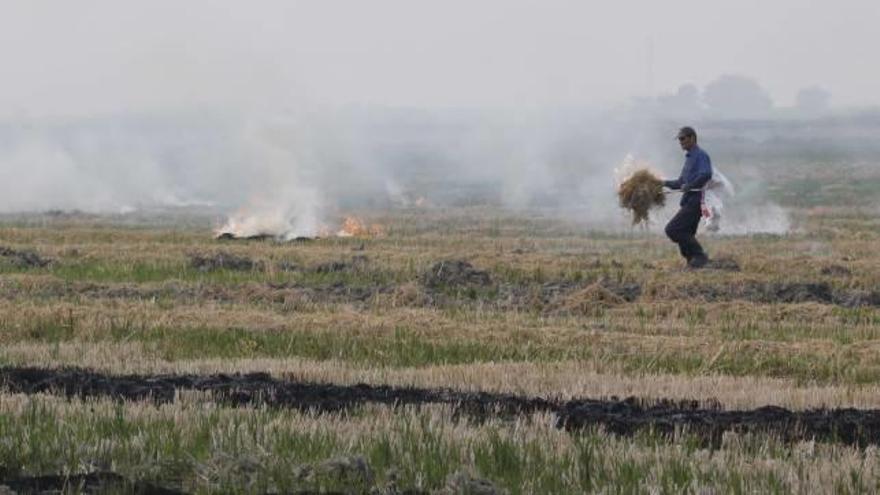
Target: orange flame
(354, 227)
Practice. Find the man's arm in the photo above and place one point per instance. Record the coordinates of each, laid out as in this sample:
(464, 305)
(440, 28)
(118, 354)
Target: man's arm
(673, 184)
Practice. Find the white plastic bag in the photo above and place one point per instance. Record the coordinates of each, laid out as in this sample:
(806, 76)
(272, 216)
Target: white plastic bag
(713, 204)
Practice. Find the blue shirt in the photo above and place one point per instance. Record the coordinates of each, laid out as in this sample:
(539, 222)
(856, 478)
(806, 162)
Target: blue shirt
(695, 173)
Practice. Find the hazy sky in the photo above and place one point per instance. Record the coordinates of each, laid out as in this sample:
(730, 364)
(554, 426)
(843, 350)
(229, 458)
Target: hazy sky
(99, 56)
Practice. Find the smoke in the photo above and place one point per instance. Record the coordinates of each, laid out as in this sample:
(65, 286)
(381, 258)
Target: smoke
(288, 212)
(289, 172)
(284, 193)
(768, 218)
(84, 168)
(281, 116)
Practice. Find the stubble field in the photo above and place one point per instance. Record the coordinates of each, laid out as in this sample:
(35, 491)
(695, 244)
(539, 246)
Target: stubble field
(464, 349)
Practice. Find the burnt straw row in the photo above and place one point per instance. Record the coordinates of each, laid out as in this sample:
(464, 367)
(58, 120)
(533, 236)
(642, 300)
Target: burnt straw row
(619, 416)
(97, 482)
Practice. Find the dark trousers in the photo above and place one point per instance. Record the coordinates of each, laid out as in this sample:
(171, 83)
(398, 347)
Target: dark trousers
(682, 229)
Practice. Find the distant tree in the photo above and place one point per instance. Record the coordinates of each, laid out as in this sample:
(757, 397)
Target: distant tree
(684, 103)
(813, 100)
(734, 96)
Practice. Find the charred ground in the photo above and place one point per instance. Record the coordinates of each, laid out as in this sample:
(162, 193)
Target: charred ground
(705, 421)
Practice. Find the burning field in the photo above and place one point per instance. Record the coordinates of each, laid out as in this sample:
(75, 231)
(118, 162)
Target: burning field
(277, 226)
(427, 351)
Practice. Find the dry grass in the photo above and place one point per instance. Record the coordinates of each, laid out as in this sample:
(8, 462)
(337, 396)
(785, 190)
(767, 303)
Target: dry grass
(123, 300)
(586, 301)
(640, 193)
(419, 446)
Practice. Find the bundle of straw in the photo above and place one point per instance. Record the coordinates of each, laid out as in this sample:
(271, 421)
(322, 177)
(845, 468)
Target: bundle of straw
(639, 193)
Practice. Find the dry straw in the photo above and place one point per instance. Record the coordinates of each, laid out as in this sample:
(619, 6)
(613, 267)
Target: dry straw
(641, 192)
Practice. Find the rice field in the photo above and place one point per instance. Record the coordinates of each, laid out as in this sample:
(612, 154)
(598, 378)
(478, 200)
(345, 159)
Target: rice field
(472, 301)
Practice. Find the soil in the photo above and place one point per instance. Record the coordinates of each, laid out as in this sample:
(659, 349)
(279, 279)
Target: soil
(723, 264)
(257, 388)
(551, 297)
(24, 259)
(629, 292)
(623, 417)
(794, 292)
(269, 292)
(858, 298)
(455, 273)
(330, 293)
(848, 426)
(358, 263)
(97, 482)
(109, 482)
(352, 469)
(229, 236)
(218, 261)
(836, 271)
(567, 297)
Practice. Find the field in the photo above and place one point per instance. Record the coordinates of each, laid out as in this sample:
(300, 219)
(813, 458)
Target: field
(465, 350)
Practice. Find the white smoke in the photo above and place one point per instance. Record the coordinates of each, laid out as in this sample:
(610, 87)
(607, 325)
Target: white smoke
(287, 213)
(768, 218)
(283, 166)
(286, 172)
(87, 170)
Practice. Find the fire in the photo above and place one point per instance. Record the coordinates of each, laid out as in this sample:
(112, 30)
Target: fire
(249, 221)
(355, 227)
(266, 223)
(272, 216)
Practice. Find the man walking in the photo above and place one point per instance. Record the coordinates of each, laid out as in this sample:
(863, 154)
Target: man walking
(697, 171)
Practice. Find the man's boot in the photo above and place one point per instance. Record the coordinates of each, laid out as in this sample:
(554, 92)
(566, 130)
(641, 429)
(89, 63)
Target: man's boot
(698, 261)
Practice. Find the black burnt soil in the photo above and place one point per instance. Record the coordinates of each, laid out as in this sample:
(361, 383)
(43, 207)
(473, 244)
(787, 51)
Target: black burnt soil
(24, 259)
(219, 261)
(103, 483)
(455, 273)
(623, 417)
(97, 482)
(849, 426)
(782, 292)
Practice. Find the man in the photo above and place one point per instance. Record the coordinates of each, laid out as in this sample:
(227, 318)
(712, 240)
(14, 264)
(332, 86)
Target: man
(697, 171)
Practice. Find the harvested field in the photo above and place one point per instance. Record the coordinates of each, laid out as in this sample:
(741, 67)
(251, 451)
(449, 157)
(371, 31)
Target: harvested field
(281, 247)
(706, 422)
(465, 347)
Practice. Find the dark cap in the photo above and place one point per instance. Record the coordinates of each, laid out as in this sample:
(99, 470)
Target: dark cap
(686, 131)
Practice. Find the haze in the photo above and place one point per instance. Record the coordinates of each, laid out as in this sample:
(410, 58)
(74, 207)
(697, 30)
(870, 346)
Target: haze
(95, 56)
(284, 110)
